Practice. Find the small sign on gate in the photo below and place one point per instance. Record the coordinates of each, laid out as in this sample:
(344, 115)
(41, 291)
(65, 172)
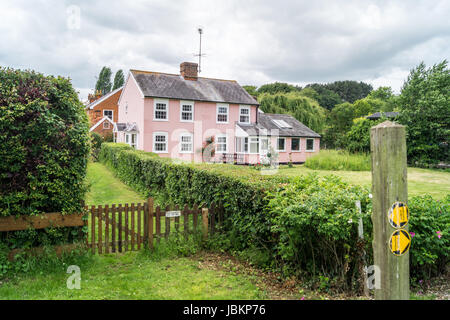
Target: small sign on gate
(173, 214)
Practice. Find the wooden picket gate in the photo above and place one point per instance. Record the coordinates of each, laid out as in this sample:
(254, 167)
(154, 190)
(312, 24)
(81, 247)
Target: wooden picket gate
(125, 227)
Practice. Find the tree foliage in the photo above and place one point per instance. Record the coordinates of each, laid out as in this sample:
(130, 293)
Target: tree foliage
(277, 87)
(350, 90)
(327, 98)
(44, 144)
(302, 108)
(104, 84)
(119, 80)
(424, 109)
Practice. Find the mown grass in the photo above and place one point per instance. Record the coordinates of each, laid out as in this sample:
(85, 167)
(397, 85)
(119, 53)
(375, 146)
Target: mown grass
(134, 275)
(339, 160)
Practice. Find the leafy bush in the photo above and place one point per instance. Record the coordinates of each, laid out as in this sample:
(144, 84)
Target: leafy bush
(430, 230)
(314, 223)
(339, 160)
(45, 144)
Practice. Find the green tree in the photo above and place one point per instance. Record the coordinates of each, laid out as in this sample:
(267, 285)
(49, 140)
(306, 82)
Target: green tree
(350, 90)
(119, 80)
(277, 87)
(424, 105)
(304, 109)
(251, 90)
(357, 139)
(326, 98)
(367, 106)
(104, 84)
(339, 122)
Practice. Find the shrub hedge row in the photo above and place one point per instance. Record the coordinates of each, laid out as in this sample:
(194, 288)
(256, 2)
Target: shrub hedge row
(303, 226)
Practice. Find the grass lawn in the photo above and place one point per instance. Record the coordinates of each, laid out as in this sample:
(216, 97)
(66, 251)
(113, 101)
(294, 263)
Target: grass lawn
(107, 189)
(135, 276)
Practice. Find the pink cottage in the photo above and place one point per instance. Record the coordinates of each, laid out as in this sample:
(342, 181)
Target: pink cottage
(199, 119)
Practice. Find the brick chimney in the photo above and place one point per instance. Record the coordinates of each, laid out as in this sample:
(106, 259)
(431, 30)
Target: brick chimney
(188, 70)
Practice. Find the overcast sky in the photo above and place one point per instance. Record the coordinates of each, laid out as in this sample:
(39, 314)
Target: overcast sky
(253, 42)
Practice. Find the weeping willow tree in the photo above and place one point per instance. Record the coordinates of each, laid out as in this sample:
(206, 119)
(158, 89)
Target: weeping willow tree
(303, 108)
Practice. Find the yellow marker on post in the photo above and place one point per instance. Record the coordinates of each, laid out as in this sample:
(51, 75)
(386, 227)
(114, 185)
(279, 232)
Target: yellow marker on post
(398, 215)
(400, 242)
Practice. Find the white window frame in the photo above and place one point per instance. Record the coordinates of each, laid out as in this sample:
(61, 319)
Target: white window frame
(186, 134)
(222, 105)
(241, 107)
(306, 145)
(226, 143)
(250, 142)
(299, 144)
(284, 150)
(166, 134)
(161, 101)
(128, 139)
(112, 114)
(243, 144)
(186, 103)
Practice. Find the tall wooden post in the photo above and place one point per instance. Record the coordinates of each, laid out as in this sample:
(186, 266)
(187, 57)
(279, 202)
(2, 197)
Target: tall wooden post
(389, 185)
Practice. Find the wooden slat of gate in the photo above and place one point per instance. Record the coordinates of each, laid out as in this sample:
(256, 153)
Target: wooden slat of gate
(139, 240)
(158, 223)
(106, 229)
(93, 228)
(133, 231)
(125, 242)
(186, 220)
(212, 213)
(149, 213)
(167, 222)
(195, 212)
(177, 220)
(113, 227)
(120, 227)
(100, 230)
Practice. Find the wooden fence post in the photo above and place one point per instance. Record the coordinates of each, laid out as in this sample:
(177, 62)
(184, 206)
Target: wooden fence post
(150, 222)
(205, 223)
(389, 185)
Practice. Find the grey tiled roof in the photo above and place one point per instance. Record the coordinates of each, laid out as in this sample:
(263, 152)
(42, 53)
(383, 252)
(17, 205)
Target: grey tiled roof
(377, 115)
(161, 85)
(265, 125)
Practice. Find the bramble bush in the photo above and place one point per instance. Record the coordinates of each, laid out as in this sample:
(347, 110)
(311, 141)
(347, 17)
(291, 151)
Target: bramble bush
(304, 226)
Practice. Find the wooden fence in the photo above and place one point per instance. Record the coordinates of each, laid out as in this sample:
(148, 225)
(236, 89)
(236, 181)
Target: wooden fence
(124, 227)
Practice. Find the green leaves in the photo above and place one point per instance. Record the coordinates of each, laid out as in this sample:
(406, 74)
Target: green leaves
(424, 103)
